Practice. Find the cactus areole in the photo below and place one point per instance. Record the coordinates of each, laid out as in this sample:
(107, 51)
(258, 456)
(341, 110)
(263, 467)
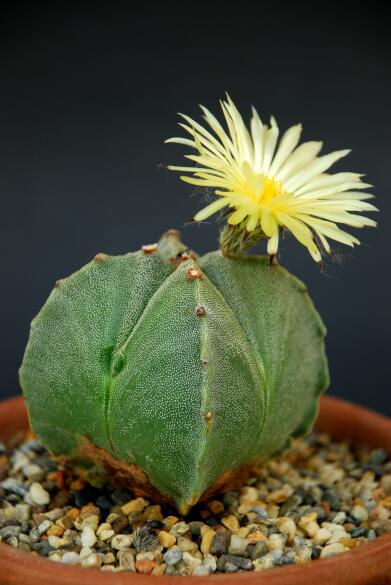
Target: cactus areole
(175, 374)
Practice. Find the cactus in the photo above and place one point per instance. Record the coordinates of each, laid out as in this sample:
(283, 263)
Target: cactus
(179, 375)
(173, 373)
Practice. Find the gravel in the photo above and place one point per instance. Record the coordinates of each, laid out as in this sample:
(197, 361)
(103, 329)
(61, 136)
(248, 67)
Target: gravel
(319, 499)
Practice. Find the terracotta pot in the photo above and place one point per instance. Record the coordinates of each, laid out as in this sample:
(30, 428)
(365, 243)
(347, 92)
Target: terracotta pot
(368, 564)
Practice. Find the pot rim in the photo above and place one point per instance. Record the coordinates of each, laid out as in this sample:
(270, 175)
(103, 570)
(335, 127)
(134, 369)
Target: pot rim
(338, 417)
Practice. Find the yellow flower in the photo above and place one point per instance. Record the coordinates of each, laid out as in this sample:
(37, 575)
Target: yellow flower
(270, 186)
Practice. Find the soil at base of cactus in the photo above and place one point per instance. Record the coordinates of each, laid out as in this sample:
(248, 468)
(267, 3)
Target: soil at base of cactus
(132, 477)
(318, 499)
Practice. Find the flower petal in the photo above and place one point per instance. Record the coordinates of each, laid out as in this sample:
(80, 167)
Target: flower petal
(211, 209)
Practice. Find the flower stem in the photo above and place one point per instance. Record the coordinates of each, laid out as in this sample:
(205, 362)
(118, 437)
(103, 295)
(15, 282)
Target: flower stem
(235, 239)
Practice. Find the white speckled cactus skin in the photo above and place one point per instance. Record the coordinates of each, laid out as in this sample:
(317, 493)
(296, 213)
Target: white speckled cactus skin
(188, 368)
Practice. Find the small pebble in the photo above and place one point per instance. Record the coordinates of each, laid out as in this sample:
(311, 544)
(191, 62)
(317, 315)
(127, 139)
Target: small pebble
(44, 526)
(31, 470)
(239, 562)
(260, 512)
(286, 526)
(166, 539)
(238, 546)
(121, 541)
(126, 560)
(93, 561)
(322, 536)
(201, 571)
(207, 537)
(11, 485)
(105, 532)
(70, 558)
(145, 566)
(38, 494)
(231, 522)
(359, 513)
(179, 529)
(332, 549)
(173, 556)
(220, 542)
(88, 537)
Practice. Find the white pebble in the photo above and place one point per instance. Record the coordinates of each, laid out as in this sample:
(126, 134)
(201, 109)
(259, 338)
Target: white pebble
(322, 536)
(91, 521)
(92, 561)
(55, 556)
(55, 541)
(339, 518)
(287, 526)
(276, 541)
(121, 541)
(85, 552)
(105, 531)
(359, 513)
(337, 537)
(70, 558)
(190, 561)
(276, 554)
(201, 570)
(88, 537)
(38, 494)
(265, 562)
(238, 545)
(332, 549)
(44, 526)
(32, 470)
(210, 562)
(19, 461)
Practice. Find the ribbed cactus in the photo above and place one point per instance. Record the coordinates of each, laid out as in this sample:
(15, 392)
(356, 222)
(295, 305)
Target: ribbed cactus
(177, 374)
(172, 373)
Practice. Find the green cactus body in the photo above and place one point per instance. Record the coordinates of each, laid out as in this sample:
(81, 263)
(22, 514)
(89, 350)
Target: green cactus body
(187, 370)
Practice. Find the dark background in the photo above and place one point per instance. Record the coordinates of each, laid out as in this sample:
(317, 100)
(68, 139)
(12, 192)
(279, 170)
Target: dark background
(87, 98)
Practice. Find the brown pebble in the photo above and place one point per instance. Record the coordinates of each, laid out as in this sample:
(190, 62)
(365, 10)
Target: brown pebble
(65, 522)
(152, 513)
(61, 499)
(255, 536)
(165, 539)
(119, 524)
(77, 484)
(170, 521)
(231, 522)
(55, 530)
(56, 477)
(89, 510)
(159, 570)
(134, 506)
(277, 497)
(349, 542)
(145, 566)
(207, 534)
(73, 513)
(216, 507)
